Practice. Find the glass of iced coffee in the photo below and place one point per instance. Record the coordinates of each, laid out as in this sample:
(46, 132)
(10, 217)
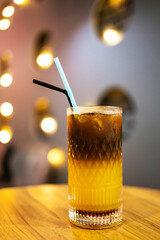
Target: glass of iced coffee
(95, 166)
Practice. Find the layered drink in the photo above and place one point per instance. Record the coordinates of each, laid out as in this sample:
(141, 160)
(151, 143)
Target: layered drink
(95, 166)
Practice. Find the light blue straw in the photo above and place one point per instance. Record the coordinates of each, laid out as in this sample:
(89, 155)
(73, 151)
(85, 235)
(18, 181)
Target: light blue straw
(66, 84)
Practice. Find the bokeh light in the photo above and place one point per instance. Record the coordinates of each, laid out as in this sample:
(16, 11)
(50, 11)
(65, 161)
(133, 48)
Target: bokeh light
(20, 2)
(6, 109)
(56, 156)
(4, 24)
(8, 11)
(6, 134)
(49, 125)
(6, 80)
(44, 60)
(112, 37)
(116, 3)
(42, 104)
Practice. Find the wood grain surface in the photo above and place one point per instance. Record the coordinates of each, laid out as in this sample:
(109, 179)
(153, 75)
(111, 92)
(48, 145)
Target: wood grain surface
(41, 212)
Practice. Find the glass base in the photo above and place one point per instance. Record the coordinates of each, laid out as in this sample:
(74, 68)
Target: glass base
(95, 220)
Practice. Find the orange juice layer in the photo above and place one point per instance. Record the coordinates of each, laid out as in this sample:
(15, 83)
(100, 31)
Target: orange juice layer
(95, 185)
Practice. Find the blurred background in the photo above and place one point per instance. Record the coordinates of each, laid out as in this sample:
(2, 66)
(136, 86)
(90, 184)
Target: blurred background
(110, 52)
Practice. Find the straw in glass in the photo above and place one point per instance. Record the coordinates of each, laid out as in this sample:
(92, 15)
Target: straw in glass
(47, 85)
(66, 84)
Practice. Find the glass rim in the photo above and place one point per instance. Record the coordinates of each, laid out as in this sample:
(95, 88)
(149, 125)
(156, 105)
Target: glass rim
(95, 109)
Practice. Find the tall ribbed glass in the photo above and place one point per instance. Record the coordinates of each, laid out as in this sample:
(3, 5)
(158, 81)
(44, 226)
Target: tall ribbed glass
(95, 166)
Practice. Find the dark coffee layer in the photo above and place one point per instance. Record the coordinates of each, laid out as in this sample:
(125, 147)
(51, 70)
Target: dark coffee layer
(95, 136)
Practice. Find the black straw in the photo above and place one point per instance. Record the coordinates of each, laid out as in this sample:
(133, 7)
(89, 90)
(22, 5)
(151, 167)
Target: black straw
(47, 85)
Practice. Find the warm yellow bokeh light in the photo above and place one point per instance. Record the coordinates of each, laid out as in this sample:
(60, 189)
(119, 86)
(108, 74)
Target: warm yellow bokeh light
(116, 3)
(49, 125)
(20, 2)
(6, 80)
(56, 156)
(42, 104)
(4, 24)
(112, 37)
(6, 134)
(6, 109)
(8, 11)
(44, 60)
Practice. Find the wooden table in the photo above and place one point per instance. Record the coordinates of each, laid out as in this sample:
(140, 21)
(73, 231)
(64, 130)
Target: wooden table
(41, 212)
